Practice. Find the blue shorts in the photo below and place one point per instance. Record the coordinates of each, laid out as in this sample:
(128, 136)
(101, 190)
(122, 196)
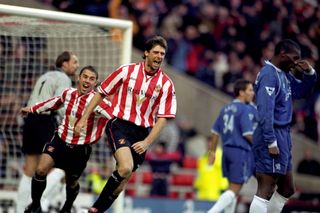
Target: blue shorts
(237, 164)
(265, 163)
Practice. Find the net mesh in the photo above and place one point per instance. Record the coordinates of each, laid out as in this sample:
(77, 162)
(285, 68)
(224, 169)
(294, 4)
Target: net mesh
(29, 47)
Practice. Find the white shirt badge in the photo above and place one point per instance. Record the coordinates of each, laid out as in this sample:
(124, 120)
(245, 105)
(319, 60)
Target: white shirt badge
(270, 90)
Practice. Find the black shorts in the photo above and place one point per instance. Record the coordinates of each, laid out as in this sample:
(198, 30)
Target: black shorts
(68, 157)
(121, 133)
(37, 131)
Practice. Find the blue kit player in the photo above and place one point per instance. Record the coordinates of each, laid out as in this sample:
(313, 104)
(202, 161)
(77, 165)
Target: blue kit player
(275, 87)
(235, 125)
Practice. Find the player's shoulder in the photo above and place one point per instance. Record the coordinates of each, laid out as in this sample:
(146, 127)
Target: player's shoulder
(268, 70)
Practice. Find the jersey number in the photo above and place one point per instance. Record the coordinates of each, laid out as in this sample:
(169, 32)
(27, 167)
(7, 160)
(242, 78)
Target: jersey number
(228, 123)
(42, 83)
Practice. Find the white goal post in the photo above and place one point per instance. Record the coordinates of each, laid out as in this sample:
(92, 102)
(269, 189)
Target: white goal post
(107, 44)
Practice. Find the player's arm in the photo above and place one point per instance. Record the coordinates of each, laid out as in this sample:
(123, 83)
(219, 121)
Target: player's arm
(51, 104)
(213, 143)
(142, 146)
(268, 87)
(95, 101)
(303, 88)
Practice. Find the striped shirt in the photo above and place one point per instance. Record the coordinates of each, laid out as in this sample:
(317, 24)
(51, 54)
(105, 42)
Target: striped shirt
(74, 105)
(49, 85)
(140, 98)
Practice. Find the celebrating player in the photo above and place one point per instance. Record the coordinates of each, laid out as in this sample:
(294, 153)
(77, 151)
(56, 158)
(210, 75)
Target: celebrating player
(144, 98)
(67, 150)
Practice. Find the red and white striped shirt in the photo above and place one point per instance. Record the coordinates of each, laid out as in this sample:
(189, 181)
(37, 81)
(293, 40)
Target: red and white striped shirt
(140, 98)
(74, 105)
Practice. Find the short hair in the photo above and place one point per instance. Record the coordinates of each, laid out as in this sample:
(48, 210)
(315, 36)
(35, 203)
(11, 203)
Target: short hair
(154, 41)
(63, 57)
(286, 45)
(91, 68)
(240, 85)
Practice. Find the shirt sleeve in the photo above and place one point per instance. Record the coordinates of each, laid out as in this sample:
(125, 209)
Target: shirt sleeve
(104, 108)
(266, 90)
(302, 88)
(51, 104)
(168, 101)
(110, 85)
(246, 122)
(217, 125)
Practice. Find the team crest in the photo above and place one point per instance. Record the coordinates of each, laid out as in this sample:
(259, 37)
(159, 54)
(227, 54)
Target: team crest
(140, 100)
(157, 88)
(50, 149)
(122, 141)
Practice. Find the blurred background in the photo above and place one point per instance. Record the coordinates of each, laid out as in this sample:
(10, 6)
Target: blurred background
(211, 43)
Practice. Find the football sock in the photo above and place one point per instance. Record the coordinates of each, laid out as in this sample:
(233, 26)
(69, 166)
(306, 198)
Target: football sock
(258, 204)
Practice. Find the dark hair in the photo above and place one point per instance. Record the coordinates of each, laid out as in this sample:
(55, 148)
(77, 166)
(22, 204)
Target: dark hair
(286, 45)
(91, 68)
(154, 41)
(63, 57)
(240, 85)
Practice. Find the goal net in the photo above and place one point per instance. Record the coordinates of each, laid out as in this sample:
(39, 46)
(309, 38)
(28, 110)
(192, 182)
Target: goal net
(28, 47)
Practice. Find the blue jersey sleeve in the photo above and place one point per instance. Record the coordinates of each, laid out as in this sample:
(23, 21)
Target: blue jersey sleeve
(216, 127)
(266, 88)
(246, 122)
(302, 88)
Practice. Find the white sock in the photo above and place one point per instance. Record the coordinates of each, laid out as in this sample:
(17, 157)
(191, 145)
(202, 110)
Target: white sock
(52, 188)
(224, 200)
(24, 193)
(258, 204)
(276, 203)
(231, 208)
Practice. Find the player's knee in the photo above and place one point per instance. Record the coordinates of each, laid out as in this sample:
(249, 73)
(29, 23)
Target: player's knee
(125, 171)
(40, 176)
(288, 192)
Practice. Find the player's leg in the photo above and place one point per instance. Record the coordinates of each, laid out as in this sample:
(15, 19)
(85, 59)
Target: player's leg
(237, 167)
(24, 188)
(78, 157)
(52, 190)
(227, 199)
(39, 182)
(266, 187)
(114, 184)
(284, 191)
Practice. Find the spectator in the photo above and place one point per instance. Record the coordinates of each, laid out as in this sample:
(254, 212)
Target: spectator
(210, 182)
(160, 161)
(308, 165)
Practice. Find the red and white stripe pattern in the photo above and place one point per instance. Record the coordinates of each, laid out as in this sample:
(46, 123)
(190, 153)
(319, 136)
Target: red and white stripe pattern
(74, 105)
(140, 98)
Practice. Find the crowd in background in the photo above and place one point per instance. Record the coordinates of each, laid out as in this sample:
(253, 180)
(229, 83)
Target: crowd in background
(220, 41)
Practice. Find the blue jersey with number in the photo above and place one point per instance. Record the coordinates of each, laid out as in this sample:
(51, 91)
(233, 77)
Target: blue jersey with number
(234, 122)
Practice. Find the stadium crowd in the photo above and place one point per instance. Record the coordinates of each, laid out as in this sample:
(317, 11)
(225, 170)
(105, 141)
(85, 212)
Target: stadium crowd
(219, 41)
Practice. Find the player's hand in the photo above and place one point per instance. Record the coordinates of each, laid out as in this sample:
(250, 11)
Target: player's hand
(25, 110)
(303, 66)
(80, 126)
(274, 152)
(140, 147)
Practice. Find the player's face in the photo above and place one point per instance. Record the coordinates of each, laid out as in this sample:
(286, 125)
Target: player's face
(72, 65)
(249, 93)
(154, 58)
(289, 60)
(87, 81)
